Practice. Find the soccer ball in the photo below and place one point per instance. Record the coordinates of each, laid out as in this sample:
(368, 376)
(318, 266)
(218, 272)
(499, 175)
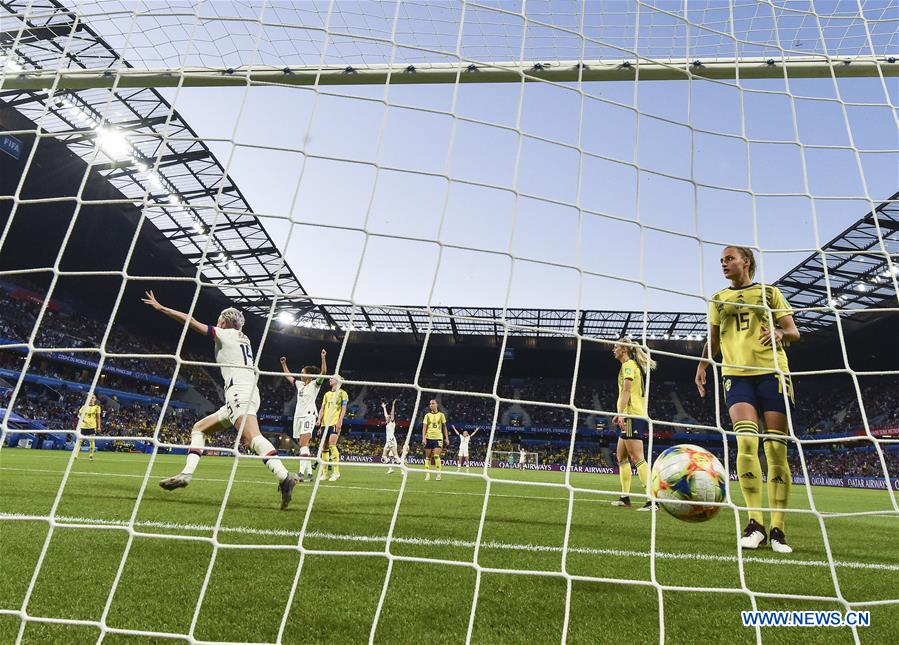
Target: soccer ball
(689, 473)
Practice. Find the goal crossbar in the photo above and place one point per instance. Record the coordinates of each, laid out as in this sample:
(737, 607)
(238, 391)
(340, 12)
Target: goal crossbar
(462, 72)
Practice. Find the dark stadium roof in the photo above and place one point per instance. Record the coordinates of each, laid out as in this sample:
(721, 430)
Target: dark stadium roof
(141, 145)
(197, 206)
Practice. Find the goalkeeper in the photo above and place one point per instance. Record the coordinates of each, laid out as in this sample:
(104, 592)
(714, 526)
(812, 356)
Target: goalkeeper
(756, 383)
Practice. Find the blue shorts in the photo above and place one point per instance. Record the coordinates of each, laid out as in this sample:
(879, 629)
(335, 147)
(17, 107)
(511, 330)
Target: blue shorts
(764, 392)
(327, 431)
(88, 432)
(430, 444)
(634, 429)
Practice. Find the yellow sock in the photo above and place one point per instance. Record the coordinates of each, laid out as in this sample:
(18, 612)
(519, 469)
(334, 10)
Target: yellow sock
(779, 479)
(642, 471)
(625, 475)
(335, 458)
(427, 463)
(325, 457)
(438, 462)
(749, 468)
(93, 445)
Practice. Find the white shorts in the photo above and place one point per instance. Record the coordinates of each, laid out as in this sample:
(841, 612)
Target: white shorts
(390, 444)
(304, 425)
(239, 402)
(463, 454)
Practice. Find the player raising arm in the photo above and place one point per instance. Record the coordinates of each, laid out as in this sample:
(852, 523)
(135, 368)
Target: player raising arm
(330, 418)
(304, 416)
(235, 359)
(631, 400)
(389, 451)
(753, 350)
(434, 437)
(464, 440)
(88, 425)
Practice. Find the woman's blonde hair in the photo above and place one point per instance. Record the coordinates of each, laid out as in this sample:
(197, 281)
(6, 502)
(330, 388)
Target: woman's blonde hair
(233, 316)
(638, 354)
(747, 253)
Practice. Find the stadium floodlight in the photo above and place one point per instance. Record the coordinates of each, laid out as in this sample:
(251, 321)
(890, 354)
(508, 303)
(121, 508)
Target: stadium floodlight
(113, 142)
(285, 318)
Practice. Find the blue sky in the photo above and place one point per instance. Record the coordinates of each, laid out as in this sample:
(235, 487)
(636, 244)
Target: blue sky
(360, 187)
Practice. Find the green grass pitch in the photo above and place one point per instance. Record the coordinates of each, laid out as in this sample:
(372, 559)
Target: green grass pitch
(426, 595)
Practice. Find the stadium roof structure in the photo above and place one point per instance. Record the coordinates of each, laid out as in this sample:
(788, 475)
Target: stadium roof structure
(852, 271)
(141, 145)
(137, 141)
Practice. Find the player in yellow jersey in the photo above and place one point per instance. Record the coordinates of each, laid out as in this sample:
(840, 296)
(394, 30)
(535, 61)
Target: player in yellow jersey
(88, 425)
(434, 437)
(635, 363)
(752, 325)
(330, 418)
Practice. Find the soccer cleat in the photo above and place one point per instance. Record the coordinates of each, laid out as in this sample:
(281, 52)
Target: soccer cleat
(428, 477)
(648, 506)
(754, 536)
(622, 501)
(779, 542)
(389, 470)
(334, 477)
(175, 481)
(286, 487)
(91, 457)
(437, 478)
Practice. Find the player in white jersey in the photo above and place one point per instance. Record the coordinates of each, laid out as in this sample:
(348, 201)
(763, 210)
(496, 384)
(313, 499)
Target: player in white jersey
(389, 452)
(234, 356)
(464, 441)
(522, 457)
(306, 412)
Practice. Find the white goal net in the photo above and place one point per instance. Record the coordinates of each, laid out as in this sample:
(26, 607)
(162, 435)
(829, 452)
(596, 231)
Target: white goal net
(467, 204)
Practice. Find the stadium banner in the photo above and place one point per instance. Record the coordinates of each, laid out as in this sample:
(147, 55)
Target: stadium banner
(89, 364)
(119, 395)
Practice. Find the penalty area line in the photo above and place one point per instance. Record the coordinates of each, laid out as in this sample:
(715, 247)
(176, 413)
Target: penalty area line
(447, 542)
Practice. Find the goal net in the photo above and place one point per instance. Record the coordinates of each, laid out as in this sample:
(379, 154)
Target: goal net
(457, 208)
(514, 459)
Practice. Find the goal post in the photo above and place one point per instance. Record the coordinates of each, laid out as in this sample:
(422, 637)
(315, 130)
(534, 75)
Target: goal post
(794, 67)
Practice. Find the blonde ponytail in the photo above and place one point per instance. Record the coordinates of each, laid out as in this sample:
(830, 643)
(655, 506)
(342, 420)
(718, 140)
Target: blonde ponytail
(638, 354)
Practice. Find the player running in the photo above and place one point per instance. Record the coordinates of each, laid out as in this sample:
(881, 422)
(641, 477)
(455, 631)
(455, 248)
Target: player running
(752, 325)
(305, 414)
(464, 440)
(635, 362)
(330, 418)
(434, 437)
(88, 425)
(389, 451)
(235, 359)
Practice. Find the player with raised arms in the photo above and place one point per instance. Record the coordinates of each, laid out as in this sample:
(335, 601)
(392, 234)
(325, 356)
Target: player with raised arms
(434, 437)
(330, 418)
(635, 363)
(235, 359)
(305, 413)
(88, 425)
(756, 384)
(464, 440)
(389, 451)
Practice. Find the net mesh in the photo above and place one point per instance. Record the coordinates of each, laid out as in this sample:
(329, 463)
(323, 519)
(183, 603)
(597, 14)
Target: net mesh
(542, 154)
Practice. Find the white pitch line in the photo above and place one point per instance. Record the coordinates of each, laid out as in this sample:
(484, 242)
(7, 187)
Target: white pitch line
(268, 482)
(444, 542)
